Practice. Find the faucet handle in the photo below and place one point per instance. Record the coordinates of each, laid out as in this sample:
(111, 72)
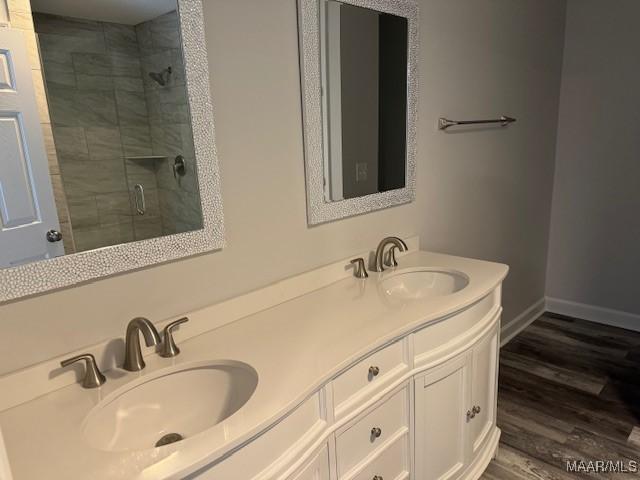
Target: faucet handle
(169, 348)
(359, 268)
(390, 257)
(93, 377)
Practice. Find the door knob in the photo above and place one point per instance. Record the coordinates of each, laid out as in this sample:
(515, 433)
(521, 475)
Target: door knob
(54, 236)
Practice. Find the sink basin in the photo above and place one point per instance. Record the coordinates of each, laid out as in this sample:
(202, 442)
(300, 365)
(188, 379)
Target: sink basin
(418, 284)
(170, 406)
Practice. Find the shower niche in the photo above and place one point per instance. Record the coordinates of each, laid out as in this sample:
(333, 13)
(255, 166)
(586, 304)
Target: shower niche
(119, 112)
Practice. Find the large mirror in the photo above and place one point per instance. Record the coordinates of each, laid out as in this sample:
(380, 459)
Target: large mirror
(359, 105)
(108, 161)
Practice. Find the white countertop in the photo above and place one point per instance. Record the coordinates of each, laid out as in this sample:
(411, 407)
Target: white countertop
(295, 347)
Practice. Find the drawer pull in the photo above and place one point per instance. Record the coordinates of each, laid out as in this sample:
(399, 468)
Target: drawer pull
(375, 433)
(378, 477)
(477, 409)
(373, 372)
(471, 415)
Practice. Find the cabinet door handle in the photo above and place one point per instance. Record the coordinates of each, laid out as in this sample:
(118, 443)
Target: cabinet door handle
(378, 477)
(373, 371)
(477, 409)
(471, 414)
(375, 433)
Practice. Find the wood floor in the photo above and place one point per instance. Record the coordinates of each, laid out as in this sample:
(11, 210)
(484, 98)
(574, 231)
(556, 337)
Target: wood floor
(569, 390)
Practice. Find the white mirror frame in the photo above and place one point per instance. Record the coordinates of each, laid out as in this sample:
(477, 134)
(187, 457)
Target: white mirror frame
(64, 271)
(318, 209)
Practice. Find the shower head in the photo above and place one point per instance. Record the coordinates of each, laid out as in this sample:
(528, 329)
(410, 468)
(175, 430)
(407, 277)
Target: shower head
(161, 78)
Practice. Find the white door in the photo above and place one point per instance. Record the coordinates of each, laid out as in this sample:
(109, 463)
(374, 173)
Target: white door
(485, 366)
(27, 206)
(316, 469)
(442, 399)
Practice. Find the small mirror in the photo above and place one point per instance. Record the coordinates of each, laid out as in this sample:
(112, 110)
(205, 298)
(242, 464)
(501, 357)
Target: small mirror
(104, 163)
(364, 80)
(359, 64)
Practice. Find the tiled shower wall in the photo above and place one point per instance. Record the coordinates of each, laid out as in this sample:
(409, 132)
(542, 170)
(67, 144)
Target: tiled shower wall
(97, 88)
(171, 135)
(96, 103)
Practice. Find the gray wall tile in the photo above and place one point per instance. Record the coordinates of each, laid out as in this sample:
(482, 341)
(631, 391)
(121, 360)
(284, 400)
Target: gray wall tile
(128, 84)
(132, 108)
(83, 179)
(94, 82)
(165, 31)
(71, 143)
(121, 39)
(124, 65)
(114, 207)
(83, 212)
(103, 236)
(58, 25)
(145, 227)
(104, 144)
(136, 141)
(91, 63)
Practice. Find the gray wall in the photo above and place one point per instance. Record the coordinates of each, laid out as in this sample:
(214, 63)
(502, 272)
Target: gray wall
(170, 125)
(595, 235)
(483, 194)
(486, 193)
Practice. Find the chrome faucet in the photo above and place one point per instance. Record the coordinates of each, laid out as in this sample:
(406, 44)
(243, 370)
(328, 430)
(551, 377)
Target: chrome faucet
(133, 355)
(395, 241)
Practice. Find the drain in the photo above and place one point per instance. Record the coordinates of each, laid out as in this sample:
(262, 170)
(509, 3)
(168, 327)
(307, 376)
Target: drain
(169, 438)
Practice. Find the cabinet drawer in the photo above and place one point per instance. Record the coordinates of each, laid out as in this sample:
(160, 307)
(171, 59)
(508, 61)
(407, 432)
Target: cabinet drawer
(372, 431)
(375, 371)
(392, 463)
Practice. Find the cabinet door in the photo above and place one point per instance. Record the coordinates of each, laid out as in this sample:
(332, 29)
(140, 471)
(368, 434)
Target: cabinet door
(485, 358)
(316, 469)
(442, 398)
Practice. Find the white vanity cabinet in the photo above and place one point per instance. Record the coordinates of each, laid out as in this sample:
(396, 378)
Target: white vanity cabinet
(390, 378)
(421, 407)
(442, 398)
(484, 372)
(316, 469)
(377, 440)
(455, 412)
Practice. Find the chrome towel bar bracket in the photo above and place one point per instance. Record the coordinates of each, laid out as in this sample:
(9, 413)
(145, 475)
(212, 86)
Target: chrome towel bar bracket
(444, 123)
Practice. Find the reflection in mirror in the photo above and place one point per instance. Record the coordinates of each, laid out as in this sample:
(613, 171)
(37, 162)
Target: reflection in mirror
(119, 164)
(364, 58)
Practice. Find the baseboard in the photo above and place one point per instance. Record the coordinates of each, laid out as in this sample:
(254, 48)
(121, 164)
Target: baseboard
(522, 321)
(605, 316)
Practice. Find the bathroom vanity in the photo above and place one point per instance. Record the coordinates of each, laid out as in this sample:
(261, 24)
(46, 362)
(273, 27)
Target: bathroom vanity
(388, 378)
